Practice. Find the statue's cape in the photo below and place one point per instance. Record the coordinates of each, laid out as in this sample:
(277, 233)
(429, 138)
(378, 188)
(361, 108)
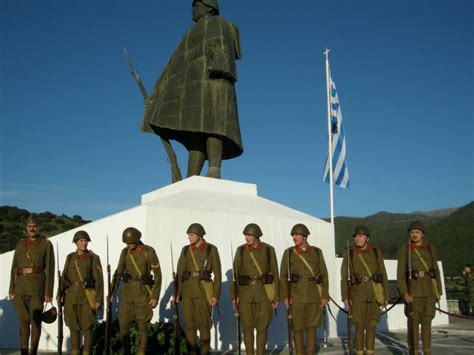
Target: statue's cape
(195, 93)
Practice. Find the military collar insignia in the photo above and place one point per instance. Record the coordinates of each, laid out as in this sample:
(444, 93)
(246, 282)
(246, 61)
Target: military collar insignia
(423, 244)
(308, 250)
(368, 249)
(139, 249)
(259, 247)
(85, 255)
(201, 247)
(37, 241)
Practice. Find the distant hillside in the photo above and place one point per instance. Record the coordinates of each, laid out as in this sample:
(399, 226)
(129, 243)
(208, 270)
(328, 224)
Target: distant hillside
(451, 231)
(13, 219)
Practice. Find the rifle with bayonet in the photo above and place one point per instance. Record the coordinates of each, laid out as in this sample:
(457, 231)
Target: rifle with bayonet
(60, 300)
(289, 311)
(235, 296)
(108, 309)
(349, 301)
(174, 301)
(409, 306)
(175, 171)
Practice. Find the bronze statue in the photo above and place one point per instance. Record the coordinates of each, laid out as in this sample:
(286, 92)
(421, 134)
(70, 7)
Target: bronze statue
(194, 100)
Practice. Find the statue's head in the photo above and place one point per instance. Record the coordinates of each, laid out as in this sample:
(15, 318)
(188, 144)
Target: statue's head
(202, 8)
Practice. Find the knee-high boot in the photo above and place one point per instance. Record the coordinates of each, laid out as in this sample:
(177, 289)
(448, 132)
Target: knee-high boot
(426, 337)
(191, 340)
(205, 341)
(298, 337)
(261, 342)
(370, 340)
(249, 340)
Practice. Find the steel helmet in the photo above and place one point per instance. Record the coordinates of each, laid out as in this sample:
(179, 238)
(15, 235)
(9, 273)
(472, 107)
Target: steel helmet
(300, 229)
(81, 235)
(131, 235)
(253, 229)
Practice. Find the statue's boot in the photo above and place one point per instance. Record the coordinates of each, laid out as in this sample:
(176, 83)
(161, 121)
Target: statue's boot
(191, 341)
(261, 341)
(249, 340)
(310, 340)
(205, 341)
(298, 337)
(214, 155)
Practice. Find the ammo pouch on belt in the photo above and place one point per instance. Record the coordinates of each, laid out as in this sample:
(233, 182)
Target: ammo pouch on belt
(378, 278)
(318, 279)
(267, 279)
(126, 277)
(205, 275)
(294, 278)
(243, 280)
(89, 283)
(147, 280)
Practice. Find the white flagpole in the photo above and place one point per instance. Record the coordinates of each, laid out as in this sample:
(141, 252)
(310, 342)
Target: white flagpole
(328, 91)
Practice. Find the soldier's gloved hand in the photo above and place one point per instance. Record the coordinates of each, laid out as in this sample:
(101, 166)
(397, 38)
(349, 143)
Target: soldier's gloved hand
(48, 299)
(275, 304)
(235, 303)
(153, 303)
(408, 298)
(347, 304)
(324, 302)
(213, 301)
(10, 296)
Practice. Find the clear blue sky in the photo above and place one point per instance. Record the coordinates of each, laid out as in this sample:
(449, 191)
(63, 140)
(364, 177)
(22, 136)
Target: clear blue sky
(70, 110)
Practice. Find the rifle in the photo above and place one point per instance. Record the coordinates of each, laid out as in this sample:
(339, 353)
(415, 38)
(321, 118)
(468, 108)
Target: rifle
(289, 311)
(177, 332)
(108, 312)
(349, 306)
(60, 301)
(175, 172)
(235, 295)
(411, 330)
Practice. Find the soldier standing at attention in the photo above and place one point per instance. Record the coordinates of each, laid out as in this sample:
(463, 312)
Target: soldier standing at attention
(256, 270)
(31, 283)
(469, 286)
(199, 293)
(309, 287)
(368, 288)
(83, 285)
(425, 283)
(141, 291)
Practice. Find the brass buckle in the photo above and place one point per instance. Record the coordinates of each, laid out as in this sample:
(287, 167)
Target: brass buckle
(421, 273)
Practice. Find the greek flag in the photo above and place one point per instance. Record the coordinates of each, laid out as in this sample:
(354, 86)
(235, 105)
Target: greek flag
(340, 171)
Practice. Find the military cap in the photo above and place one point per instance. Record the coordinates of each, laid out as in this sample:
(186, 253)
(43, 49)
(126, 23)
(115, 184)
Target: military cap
(300, 229)
(363, 230)
(32, 219)
(211, 3)
(253, 229)
(81, 235)
(196, 228)
(131, 235)
(417, 225)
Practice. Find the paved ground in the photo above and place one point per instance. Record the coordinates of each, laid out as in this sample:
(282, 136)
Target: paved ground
(456, 338)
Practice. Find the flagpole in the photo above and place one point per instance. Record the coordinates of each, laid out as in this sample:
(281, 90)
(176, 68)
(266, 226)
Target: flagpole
(328, 92)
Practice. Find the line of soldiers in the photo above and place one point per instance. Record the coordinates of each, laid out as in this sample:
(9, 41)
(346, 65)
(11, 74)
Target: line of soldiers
(302, 283)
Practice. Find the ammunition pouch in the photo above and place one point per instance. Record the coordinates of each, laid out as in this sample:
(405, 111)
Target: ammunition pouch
(200, 275)
(294, 278)
(318, 279)
(243, 280)
(205, 275)
(419, 274)
(378, 277)
(88, 283)
(148, 280)
(267, 279)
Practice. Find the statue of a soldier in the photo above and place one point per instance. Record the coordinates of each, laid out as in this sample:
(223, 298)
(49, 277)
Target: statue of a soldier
(194, 99)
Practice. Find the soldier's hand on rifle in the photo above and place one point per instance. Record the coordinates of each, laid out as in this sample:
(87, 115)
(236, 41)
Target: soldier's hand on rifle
(213, 301)
(408, 297)
(153, 303)
(48, 299)
(235, 302)
(275, 304)
(347, 304)
(324, 302)
(287, 303)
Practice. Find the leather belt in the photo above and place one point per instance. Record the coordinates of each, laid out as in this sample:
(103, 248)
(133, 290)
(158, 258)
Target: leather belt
(196, 274)
(420, 273)
(29, 270)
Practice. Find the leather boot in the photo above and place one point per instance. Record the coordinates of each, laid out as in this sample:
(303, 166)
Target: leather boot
(416, 336)
(126, 344)
(370, 340)
(359, 338)
(261, 342)
(35, 337)
(205, 340)
(298, 337)
(426, 337)
(88, 340)
(142, 338)
(75, 341)
(310, 340)
(191, 341)
(249, 341)
(24, 337)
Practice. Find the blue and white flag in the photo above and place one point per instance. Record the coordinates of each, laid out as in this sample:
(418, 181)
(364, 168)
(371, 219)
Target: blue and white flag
(339, 166)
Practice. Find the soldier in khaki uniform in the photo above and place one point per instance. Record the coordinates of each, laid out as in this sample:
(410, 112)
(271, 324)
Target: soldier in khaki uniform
(368, 288)
(424, 288)
(141, 291)
(83, 285)
(256, 270)
(31, 283)
(199, 293)
(309, 287)
(469, 286)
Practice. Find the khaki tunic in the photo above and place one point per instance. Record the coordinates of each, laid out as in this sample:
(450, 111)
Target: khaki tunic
(469, 289)
(364, 308)
(196, 310)
(305, 296)
(421, 289)
(78, 315)
(255, 308)
(135, 296)
(30, 289)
